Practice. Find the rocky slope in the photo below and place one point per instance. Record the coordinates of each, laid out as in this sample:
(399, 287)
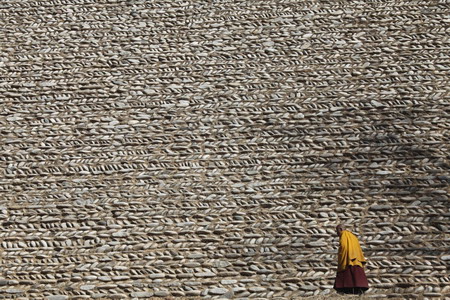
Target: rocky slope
(208, 148)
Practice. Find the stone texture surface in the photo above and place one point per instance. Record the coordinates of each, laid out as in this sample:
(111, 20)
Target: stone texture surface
(208, 148)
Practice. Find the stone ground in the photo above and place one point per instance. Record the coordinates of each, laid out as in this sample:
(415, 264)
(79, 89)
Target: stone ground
(208, 148)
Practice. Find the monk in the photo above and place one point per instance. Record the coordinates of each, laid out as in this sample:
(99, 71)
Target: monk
(350, 278)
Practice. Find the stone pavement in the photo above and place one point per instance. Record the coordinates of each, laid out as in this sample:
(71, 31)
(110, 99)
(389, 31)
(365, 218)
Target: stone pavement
(208, 148)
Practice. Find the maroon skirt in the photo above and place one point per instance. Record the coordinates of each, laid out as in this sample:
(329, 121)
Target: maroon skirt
(351, 281)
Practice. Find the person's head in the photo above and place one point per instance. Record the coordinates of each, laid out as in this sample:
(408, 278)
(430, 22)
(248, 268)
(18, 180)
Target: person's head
(339, 229)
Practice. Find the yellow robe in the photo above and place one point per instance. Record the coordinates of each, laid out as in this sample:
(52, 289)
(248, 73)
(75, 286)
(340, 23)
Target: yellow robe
(350, 253)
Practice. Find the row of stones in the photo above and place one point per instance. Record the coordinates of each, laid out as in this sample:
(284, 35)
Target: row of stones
(149, 96)
(224, 293)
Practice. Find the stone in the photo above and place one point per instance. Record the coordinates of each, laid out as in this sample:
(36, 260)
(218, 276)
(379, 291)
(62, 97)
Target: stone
(161, 293)
(380, 207)
(257, 289)
(104, 278)
(120, 234)
(157, 275)
(120, 278)
(317, 244)
(228, 281)
(141, 294)
(217, 291)
(308, 287)
(204, 274)
(58, 297)
(117, 296)
(381, 172)
(193, 293)
(14, 291)
(4, 282)
(376, 103)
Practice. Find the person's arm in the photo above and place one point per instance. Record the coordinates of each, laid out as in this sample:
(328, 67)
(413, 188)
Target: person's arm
(342, 255)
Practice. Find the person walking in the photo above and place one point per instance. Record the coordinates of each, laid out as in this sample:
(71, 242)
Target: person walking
(350, 277)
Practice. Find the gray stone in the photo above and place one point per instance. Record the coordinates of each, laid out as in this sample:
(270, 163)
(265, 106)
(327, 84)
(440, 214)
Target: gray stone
(376, 103)
(228, 281)
(383, 172)
(142, 294)
(117, 296)
(380, 207)
(308, 287)
(217, 291)
(120, 278)
(193, 293)
(196, 255)
(161, 293)
(104, 278)
(90, 278)
(58, 297)
(120, 234)
(318, 244)
(257, 289)
(14, 291)
(204, 274)
(228, 295)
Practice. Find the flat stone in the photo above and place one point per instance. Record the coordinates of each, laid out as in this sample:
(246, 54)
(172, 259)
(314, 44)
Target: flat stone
(308, 287)
(58, 297)
(117, 296)
(193, 293)
(376, 103)
(383, 172)
(120, 234)
(205, 274)
(162, 293)
(157, 275)
(142, 294)
(104, 278)
(87, 287)
(257, 289)
(196, 255)
(217, 291)
(14, 291)
(228, 295)
(185, 275)
(380, 207)
(317, 244)
(119, 278)
(228, 281)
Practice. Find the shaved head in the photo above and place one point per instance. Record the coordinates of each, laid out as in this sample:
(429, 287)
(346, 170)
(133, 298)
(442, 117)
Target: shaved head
(339, 229)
